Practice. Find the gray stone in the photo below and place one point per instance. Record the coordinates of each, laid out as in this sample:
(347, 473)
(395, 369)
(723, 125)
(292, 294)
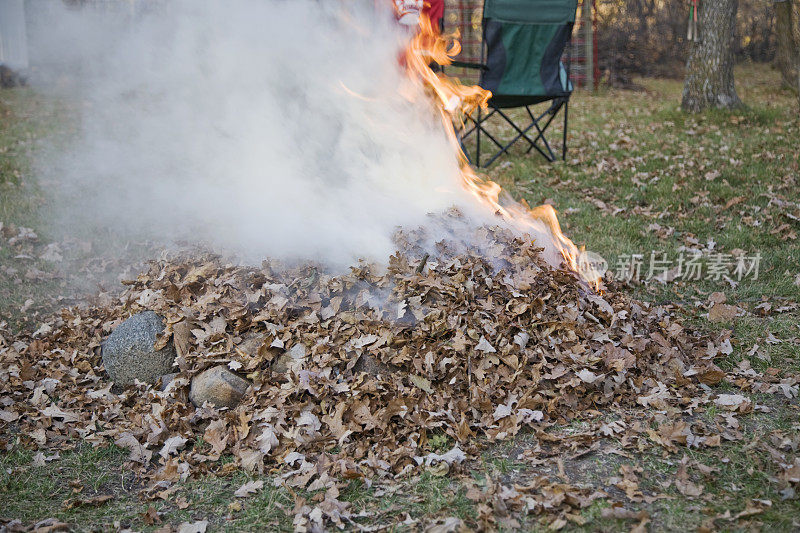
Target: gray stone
(218, 386)
(129, 354)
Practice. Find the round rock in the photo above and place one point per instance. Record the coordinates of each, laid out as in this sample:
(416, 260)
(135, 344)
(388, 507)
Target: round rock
(129, 354)
(218, 386)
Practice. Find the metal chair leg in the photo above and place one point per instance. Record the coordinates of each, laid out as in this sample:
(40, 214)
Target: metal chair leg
(545, 149)
(478, 140)
(564, 140)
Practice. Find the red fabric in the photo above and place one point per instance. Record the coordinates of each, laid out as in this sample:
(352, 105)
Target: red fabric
(435, 10)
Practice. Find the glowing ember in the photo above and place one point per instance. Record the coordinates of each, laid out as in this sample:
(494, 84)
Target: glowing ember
(453, 102)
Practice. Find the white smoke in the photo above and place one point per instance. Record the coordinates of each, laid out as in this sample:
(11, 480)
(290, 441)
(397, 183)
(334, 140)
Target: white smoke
(282, 129)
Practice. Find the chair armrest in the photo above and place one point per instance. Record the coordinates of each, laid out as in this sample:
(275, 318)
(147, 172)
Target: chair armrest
(463, 64)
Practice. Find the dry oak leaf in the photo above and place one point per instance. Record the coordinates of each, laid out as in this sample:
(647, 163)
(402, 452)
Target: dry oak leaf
(682, 482)
(620, 513)
(721, 312)
(79, 502)
(138, 452)
(216, 435)
(172, 445)
(422, 383)
(670, 434)
(249, 488)
(588, 376)
(53, 411)
(193, 527)
(7, 415)
(484, 346)
(732, 402)
(711, 375)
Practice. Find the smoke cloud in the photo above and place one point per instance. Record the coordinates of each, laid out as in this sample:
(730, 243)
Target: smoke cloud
(282, 129)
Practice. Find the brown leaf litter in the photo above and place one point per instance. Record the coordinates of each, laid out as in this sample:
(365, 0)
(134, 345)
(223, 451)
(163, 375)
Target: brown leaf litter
(352, 375)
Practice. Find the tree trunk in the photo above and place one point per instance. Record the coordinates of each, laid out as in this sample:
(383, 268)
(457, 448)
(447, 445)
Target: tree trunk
(795, 28)
(709, 70)
(787, 55)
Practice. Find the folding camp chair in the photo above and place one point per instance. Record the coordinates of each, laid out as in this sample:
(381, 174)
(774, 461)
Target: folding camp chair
(520, 62)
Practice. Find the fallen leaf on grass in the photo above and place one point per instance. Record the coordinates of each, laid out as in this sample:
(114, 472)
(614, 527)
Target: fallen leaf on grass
(40, 459)
(641, 527)
(53, 411)
(450, 524)
(453, 456)
(620, 513)
(252, 460)
(48, 525)
(181, 503)
(732, 402)
(721, 312)
(249, 488)
(138, 453)
(749, 510)
(216, 435)
(150, 516)
(711, 375)
(193, 527)
(682, 482)
(688, 488)
(172, 445)
(84, 502)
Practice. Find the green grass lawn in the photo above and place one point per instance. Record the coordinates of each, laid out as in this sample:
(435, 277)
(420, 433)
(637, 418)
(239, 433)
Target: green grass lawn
(27, 122)
(640, 177)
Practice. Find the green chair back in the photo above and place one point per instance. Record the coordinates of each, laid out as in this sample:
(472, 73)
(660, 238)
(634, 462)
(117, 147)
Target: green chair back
(524, 41)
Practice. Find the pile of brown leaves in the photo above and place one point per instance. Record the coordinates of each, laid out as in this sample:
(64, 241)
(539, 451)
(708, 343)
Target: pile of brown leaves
(352, 375)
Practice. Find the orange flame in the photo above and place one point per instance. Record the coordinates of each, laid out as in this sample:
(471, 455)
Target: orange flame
(454, 101)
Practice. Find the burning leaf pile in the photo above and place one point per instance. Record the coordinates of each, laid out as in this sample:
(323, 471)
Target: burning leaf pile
(354, 376)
